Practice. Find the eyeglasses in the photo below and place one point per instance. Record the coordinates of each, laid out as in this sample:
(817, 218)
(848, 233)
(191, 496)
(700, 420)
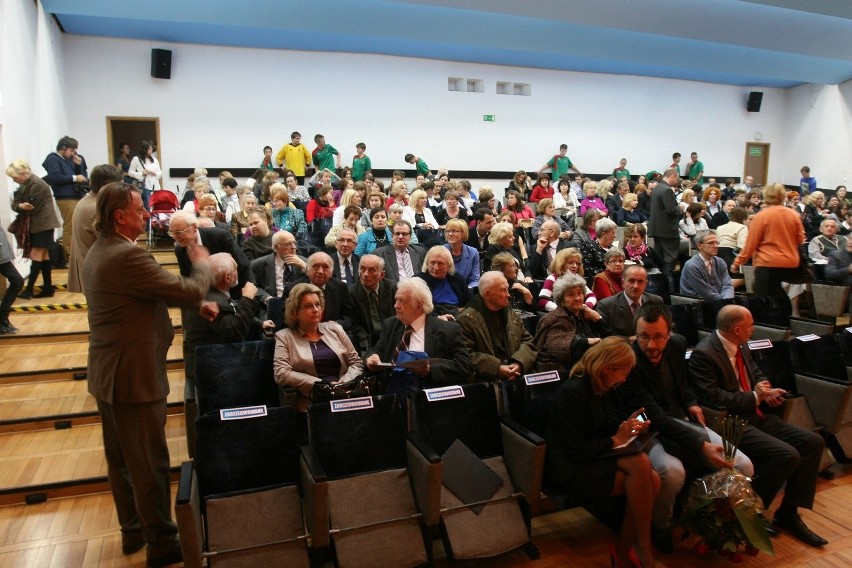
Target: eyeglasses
(179, 232)
(645, 338)
(290, 244)
(345, 241)
(401, 234)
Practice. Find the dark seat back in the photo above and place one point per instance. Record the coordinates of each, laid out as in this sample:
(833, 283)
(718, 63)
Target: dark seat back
(472, 419)
(685, 321)
(820, 357)
(771, 310)
(529, 405)
(358, 441)
(250, 453)
(235, 374)
(777, 364)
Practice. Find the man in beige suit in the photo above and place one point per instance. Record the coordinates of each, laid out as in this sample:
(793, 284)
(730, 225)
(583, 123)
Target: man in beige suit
(128, 293)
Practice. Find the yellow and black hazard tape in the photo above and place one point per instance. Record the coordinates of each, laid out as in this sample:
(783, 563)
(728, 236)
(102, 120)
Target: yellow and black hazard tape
(50, 307)
(63, 287)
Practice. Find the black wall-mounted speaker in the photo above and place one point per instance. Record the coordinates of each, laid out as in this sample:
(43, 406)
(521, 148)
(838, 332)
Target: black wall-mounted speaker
(161, 64)
(754, 100)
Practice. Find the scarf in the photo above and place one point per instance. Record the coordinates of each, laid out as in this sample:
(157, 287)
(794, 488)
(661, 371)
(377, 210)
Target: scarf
(636, 254)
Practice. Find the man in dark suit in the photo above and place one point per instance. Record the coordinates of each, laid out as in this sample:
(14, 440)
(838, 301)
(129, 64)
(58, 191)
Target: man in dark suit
(724, 375)
(618, 311)
(478, 237)
(272, 272)
(414, 329)
(128, 294)
(546, 247)
(721, 217)
(183, 228)
(373, 297)
(658, 383)
(402, 260)
(345, 262)
(613, 200)
(665, 214)
(338, 303)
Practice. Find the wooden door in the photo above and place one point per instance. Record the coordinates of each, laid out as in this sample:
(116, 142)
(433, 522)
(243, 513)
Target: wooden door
(133, 130)
(756, 163)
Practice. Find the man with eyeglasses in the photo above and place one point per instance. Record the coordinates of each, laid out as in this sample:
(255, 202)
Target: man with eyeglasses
(338, 303)
(345, 262)
(705, 275)
(725, 376)
(658, 383)
(183, 228)
(402, 259)
(272, 272)
(619, 311)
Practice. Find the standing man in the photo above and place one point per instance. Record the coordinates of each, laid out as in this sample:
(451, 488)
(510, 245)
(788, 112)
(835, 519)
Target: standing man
(695, 169)
(325, 156)
(128, 294)
(663, 223)
(294, 156)
(65, 169)
(559, 164)
(724, 375)
(621, 172)
(402, 259)
(705, 275)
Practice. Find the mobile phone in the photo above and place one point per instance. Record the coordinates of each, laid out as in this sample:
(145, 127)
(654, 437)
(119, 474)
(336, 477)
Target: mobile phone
(642, 417)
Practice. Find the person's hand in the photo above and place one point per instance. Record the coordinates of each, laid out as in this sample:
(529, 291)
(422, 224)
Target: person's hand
(510, 371)
(249, 291)
(528, 279)
(77, 160)
(26, 206)
(775, 397)
(631, 427)
(197, 254)
(209, 310)
(267, 325)
(541, 244)
(590, 314)
(524, 291)
(566, 235)
(735, 268)
(447, 317)
(697, 414)
(593, 340)
(715, 454)
(294, 260)
(762, 389)
(372, 362)
(80, 179)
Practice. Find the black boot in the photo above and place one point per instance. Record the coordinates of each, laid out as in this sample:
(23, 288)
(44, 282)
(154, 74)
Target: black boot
(35, 268)
(47, 282)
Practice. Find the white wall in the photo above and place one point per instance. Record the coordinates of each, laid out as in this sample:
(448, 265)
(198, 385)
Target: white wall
(33, 111)
(223, 105)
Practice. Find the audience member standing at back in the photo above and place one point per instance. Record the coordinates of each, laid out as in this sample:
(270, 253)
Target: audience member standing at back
(65, 169)
(663, 223)
(294, 156)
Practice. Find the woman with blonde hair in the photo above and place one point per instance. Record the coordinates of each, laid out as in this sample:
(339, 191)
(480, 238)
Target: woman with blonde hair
(347, 198)
(580, 440)
(33, 202)
(502, 239)
(566, 261)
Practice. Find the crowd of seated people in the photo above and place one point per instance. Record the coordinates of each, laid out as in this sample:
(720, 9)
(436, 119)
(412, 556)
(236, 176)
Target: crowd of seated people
(375, 294)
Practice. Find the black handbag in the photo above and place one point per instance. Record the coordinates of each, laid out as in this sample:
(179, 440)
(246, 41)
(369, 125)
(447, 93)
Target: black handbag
(362, 386)
(802, 273)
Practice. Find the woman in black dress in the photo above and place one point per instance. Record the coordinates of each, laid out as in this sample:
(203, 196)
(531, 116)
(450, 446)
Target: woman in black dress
(582, 434)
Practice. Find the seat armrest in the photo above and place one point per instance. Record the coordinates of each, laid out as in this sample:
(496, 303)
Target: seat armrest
(188, 516)
(184, 491)
(311, 460)
(523, 431)
(524, 459)
(425, 471)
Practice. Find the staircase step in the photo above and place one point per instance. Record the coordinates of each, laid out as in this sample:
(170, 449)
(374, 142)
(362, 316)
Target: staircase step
(65, 462)
(58, 326)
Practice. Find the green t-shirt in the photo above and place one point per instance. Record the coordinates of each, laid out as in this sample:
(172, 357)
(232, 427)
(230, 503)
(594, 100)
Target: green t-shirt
(324, 159)
(560, 165)
(621, 174)
(422, 168)
(360, 166)
(693, 170)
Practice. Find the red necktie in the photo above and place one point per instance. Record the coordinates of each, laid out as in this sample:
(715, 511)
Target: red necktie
(744, 382)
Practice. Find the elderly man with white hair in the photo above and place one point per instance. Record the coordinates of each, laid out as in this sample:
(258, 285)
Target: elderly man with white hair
(414, 329)
(338, 303)
(184, 229)
(501, 347)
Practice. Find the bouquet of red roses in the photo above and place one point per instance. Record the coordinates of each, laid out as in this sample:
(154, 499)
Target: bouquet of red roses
(724, 510)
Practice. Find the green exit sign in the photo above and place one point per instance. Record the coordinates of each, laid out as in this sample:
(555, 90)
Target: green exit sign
(755, 151)
(488, 117)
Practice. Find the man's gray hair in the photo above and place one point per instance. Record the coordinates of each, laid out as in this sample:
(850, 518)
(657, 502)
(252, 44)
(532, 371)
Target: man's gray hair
(419, 292)
(439, 250)
(490, 279)
(187, 217)
(222, 263)
(374, 257)
(279, 235)
(318, 256)
(702, 235)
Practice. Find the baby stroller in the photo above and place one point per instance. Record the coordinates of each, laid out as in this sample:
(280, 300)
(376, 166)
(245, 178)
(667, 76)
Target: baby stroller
(163, 204)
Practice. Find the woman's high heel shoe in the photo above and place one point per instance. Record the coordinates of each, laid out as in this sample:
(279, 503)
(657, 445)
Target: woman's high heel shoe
(613, 557)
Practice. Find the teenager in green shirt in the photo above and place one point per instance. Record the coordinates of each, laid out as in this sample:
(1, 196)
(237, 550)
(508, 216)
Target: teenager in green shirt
(325, 156)
(419, 164)
(361, 164)
(559, 164)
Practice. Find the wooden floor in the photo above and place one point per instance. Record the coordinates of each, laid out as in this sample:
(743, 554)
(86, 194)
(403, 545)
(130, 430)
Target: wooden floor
(37, 389)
